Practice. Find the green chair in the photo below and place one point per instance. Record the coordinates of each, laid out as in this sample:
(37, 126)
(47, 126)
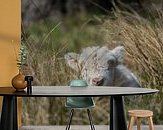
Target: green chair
(79, 103)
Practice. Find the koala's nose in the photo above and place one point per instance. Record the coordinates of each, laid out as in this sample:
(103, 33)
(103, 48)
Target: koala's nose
(98, 81)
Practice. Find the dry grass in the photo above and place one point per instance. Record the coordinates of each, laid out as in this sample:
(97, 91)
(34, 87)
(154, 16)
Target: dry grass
(49, 70)
(143, 40)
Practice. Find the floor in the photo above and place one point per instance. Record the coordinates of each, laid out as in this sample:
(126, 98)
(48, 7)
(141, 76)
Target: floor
(81, 127)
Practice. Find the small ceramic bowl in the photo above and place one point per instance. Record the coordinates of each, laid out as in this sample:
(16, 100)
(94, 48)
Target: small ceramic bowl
(78, 83)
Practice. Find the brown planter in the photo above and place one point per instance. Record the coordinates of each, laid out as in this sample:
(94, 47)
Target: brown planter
(18, 82)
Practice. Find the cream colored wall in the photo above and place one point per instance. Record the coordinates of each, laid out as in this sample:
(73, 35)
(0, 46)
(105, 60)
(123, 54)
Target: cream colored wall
(10, 29)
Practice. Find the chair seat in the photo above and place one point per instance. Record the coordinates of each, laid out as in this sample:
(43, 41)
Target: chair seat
(140, 113)
(79, 102)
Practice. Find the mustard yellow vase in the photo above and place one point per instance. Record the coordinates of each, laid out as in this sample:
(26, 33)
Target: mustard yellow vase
(18, 82)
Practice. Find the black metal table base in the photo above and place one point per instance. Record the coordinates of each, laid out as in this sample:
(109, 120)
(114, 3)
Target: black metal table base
(9, 113)
(117, 113)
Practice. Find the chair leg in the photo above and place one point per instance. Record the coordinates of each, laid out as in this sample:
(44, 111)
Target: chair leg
(150, 123)
(70, 119)
(138, 123)
(131, 123)
(90, 119)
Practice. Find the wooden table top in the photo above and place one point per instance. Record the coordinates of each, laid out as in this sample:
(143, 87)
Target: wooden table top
(66, 91)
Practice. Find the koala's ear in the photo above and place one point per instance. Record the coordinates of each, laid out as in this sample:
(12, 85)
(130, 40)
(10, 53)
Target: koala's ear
(72, 60)
(119, 53)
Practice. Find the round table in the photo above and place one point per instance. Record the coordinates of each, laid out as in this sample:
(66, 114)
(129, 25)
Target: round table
(117, 113)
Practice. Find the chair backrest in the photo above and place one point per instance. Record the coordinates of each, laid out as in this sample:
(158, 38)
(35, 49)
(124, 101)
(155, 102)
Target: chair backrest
(78, 83)
(79, 102)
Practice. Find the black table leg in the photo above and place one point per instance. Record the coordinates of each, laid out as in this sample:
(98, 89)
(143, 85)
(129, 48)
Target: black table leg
(117, 114)
(9, 113)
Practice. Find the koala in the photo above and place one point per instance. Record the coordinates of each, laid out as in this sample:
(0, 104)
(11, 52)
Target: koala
(101, 66)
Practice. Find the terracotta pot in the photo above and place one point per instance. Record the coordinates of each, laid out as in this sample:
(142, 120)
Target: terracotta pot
(18, 82)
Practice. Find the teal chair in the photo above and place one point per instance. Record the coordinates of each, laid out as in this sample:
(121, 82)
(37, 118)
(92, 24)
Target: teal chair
(79, 103)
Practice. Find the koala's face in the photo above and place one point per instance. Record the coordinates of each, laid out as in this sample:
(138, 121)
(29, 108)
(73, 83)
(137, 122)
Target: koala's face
(95, 65)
